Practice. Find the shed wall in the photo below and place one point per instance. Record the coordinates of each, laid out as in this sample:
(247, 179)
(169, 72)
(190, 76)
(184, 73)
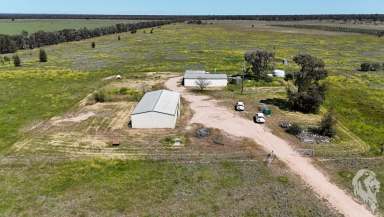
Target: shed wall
(153, 120)
(212, 82)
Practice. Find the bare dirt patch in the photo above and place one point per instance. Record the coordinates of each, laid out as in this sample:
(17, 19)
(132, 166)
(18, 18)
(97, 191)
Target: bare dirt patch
(90, 129)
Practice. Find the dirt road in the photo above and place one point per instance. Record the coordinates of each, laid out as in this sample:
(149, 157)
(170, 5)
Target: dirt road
(209, 113)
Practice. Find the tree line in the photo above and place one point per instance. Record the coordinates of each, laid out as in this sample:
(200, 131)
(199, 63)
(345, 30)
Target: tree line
(12, 43)
(372, 17)
(377, 32)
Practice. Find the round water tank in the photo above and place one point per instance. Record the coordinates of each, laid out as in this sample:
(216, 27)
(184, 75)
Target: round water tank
(279, 73)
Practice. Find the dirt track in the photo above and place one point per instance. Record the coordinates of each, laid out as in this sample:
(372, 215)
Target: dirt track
(209, 113)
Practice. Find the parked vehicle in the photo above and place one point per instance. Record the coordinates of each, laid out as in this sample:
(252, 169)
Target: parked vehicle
(240, 106)
(260, 118)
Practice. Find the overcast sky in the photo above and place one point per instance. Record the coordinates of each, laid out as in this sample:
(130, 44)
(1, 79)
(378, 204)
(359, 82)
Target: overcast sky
(192, 6)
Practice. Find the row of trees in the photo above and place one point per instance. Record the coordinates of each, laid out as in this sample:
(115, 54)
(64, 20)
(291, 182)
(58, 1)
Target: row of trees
(377, 32)
(12, 43)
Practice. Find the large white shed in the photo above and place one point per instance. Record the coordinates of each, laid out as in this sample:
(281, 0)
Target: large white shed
(192, 78)
(157, 109)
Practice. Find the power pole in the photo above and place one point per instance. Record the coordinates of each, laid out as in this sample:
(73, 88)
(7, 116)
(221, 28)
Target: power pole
(242, 79)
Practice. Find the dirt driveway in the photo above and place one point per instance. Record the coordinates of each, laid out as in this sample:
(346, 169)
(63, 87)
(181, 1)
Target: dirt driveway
(209, 113)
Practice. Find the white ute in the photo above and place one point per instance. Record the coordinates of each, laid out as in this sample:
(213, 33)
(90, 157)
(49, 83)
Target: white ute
(240, 106)
(260, 118)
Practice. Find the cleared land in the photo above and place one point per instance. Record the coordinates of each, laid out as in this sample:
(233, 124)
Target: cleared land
(68, 166)
(37, 92)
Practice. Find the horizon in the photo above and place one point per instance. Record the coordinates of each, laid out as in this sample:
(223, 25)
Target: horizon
(193, 8)
(100, 14)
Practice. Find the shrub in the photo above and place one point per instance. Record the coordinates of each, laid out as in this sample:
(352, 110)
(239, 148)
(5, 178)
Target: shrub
(375, 67)
(100, 96)
(123, 91)
(327, 125)
(43, 56)
(308, 101)
(365, 67)
(16, 60)
(294, 129)
(7, 59)
(288, 77)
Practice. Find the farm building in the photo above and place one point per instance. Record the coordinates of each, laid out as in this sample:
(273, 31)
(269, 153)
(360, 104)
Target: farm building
(157, 109)
(279, 73)
(191, 79)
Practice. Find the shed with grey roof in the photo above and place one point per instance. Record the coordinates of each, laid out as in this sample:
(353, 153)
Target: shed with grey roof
(192, 78)
(157, 109)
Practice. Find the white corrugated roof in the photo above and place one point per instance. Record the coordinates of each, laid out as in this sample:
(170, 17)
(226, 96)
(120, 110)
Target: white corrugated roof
(162, 101)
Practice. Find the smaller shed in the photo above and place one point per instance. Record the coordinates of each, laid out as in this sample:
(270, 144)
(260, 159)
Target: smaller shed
(279, 73)
(191, 79)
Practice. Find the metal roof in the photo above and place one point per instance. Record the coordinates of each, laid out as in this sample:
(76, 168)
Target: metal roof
(195, 72)
(205, 76)
(161, 101)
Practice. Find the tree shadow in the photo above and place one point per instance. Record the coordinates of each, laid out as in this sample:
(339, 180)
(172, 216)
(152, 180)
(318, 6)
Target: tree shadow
(280, 103)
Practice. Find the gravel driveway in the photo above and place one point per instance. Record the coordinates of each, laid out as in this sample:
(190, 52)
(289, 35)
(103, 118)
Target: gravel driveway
(209, 113)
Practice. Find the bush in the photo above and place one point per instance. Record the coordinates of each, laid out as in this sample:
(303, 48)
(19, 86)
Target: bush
(365, 67)
(7, 59)
(375, 67)
(327, 125)
(43, 56)
(294, 129)
(288, 77)
(100, 96)
(308, 101)
(123, 91)
(16, 60)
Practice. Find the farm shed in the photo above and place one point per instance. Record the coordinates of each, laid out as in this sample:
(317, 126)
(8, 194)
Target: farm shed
(279, 73)
(191, 79)
(157, 109)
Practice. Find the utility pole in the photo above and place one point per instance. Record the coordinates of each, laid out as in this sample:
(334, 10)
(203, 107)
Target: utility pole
(242, 79)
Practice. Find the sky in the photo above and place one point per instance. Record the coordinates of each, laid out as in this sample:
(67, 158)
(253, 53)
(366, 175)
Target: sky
(193, 7)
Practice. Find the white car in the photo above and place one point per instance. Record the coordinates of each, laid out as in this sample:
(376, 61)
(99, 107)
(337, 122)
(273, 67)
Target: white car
(240, 106)
(260, 118)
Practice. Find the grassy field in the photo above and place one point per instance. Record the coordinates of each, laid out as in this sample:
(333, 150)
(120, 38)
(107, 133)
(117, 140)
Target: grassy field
(221, 47)
(144, 188)
(36, 92)
(8, 26)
